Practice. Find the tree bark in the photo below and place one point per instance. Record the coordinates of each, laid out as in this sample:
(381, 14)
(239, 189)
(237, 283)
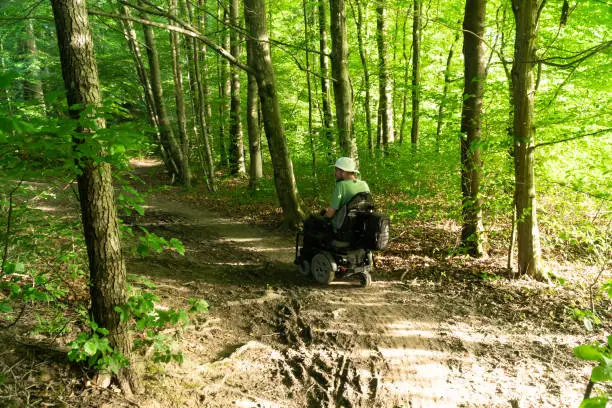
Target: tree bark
(309, 88)
(406, 81)
(385, 98)
(223, 68)
(472, 231)
(342, 85)
(168, 140)
(181, 116)
(237, 166)
(526, 14)
(130, 35)
(204, 71)
(201, 106)
(416, 72)
(366, 74)
(327, 127)
(255, 162)
(96, 195)
(284, 179)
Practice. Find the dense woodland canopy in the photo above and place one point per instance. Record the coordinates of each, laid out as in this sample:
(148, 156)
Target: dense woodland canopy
(493, 115)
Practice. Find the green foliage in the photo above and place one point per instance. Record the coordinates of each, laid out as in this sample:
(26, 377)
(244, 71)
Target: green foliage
(94, 349)
(151, 242)
(148, 321)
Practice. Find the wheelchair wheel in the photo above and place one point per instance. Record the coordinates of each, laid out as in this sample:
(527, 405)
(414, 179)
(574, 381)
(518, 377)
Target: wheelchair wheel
(323, 267)
(365, 279)
(304, 268)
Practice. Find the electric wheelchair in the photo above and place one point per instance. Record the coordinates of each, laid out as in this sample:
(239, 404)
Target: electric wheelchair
(344, 252)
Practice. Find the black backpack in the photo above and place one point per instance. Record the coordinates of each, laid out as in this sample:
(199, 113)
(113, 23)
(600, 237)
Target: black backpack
(361, 225)
(376, 234)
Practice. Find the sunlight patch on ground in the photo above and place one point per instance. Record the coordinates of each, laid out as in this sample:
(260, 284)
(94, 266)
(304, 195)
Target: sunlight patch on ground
(145, 162)
(249, 239)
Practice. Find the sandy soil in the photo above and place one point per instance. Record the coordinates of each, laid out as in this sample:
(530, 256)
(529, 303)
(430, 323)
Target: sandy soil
(422, 335)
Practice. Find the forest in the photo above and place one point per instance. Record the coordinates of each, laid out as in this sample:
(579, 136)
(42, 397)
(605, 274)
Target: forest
(158, 157)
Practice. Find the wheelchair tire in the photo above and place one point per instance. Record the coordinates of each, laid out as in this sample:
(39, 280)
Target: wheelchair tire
(304, 268)
(323, 267)
(365, 279)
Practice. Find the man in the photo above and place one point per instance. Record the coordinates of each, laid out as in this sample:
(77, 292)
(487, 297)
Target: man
(320, 228)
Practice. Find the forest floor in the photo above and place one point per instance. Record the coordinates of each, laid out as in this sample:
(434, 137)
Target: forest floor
(431, 331)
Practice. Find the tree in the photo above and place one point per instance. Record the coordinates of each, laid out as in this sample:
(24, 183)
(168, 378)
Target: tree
(342, 82)
(416, 71)
(366, 73)
(385, 98)
(96, 195)
(327, 117)
(223, 84)
(200, 100)
(284, 179)
(181, 116)
(252, 114)
(526, 16)
(309, 86)
(472, 230)
(165, 130)
(235, 131)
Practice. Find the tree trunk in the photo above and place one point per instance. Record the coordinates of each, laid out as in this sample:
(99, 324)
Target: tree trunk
(223, 85)
(204, 71)
(342, 85)
(201, 106)
(406, 80)
(309, 88)
(385, 98)
(472, 231)
(327, 129)
(177, 73)
(447, 80)
(526, 14)
(284, 179)
(255, 163)
(108, 288)
(130, 35)
(32, 86)
(416, 72)
(366, 74)
(235, 132)
(168, 141)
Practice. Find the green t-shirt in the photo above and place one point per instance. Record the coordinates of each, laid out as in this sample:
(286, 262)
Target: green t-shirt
(344, 191)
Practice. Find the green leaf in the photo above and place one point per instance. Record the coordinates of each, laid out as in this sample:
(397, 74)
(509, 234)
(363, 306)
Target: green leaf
(14, 267)
(124, 312)
(177, 245)
(200, 306)
(595, 402)
(601, 373)
(588, 352)
(91, 346)
(5, 307)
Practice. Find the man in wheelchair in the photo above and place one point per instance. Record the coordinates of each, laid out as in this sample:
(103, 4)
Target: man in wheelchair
(338, 242)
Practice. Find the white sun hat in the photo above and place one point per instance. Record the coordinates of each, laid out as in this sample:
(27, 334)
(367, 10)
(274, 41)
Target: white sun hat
(347, 164)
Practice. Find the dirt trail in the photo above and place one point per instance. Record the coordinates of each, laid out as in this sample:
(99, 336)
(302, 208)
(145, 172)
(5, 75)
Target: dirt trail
(276, 339)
